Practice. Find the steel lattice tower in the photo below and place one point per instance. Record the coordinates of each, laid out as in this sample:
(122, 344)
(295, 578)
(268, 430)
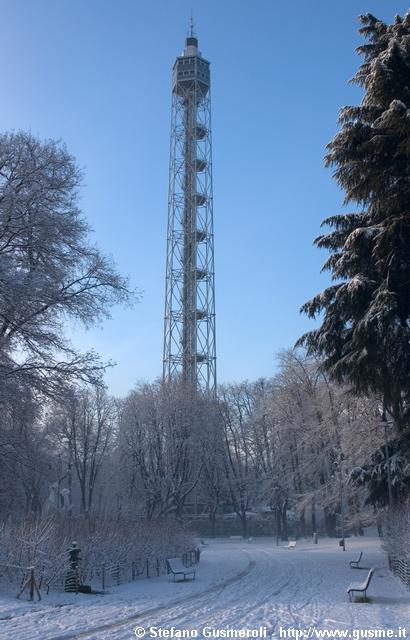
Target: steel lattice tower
(189, 328)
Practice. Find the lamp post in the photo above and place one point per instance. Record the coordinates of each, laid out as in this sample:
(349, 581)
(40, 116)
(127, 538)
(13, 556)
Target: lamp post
(385, 425)
(342, 515)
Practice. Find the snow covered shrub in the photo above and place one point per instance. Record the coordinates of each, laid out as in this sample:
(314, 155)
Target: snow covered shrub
(31, 543)
(106, 542)
(114, 543)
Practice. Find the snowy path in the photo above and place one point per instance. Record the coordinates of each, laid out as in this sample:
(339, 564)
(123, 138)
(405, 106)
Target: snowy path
(238, 586)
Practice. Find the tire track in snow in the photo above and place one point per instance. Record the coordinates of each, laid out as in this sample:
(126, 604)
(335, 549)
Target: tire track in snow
(277, 587)
(141, 615)
(246, 600)
(296, 611)
(207, 603)
(240, 604)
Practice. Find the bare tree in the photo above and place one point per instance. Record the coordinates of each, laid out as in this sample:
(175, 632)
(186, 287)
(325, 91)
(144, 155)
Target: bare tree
(84, 426)
(49, 271)
(236, 410)
(213, 481)
(162, 428)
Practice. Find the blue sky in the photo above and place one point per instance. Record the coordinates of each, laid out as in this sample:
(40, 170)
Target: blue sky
(97, 74)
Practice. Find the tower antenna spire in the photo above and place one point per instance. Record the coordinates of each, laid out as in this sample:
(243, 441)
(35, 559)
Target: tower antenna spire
(191, 27)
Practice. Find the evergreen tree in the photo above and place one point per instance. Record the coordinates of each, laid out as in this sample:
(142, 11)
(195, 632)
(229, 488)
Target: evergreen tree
(364, 336)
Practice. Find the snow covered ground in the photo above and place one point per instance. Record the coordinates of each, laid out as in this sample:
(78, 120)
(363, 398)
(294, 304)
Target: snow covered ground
(239, 585)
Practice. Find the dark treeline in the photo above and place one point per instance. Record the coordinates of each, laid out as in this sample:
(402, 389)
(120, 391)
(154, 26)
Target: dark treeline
(281, 446)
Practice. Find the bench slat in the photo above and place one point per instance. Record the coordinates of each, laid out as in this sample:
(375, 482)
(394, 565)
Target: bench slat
(177, 568)
(360, 587)
(355, 563)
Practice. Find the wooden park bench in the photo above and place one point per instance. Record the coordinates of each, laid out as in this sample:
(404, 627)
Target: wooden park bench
(291, 544)
(177, 568)
(360, 587)
(355, 564)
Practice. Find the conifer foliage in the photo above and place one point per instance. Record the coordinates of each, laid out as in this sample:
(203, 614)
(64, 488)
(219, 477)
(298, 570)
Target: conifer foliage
(364, 336)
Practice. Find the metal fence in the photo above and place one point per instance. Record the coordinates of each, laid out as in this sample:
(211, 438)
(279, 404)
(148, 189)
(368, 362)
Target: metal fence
(401, 569)
(112, 574)
(12, 574)
(21, 577)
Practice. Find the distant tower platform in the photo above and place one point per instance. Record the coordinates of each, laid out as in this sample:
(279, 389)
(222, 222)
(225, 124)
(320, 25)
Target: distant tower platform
(189, 328)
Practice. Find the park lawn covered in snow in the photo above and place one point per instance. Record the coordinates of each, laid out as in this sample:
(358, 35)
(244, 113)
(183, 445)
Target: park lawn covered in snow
(239, 585)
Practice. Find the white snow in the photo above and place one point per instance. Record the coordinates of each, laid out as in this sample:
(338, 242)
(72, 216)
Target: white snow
(239, 585)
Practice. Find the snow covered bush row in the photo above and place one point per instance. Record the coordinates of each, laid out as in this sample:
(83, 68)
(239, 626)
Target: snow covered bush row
(44, 544)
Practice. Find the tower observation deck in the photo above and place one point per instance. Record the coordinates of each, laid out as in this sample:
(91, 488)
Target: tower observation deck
(189, 327)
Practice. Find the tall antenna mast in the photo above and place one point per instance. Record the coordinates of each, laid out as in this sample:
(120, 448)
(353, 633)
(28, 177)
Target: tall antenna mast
(189, 327)
(191, 28)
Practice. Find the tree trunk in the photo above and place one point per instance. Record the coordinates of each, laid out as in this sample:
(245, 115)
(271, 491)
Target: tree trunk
(278, 523)
(284, 519)
(83, 497)
(70, 479)
(302, 524)
(314, 523)
(330, 522)
(244, 523)
(212, 522)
